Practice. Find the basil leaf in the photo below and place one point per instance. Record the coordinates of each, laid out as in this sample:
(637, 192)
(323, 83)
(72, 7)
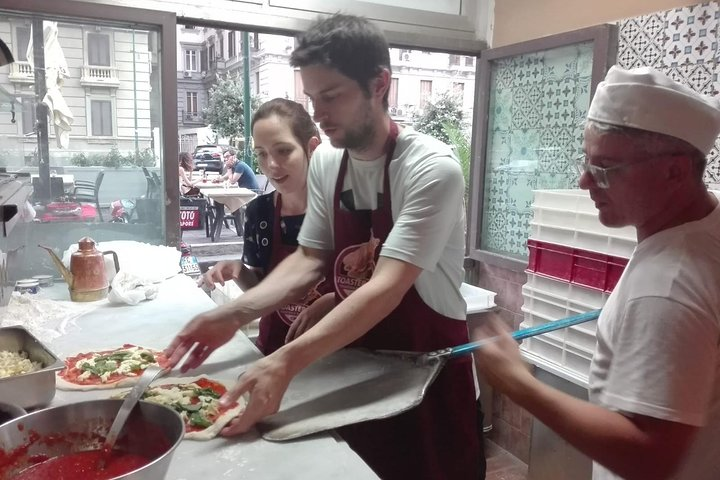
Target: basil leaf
(197, 420)
(206, 392)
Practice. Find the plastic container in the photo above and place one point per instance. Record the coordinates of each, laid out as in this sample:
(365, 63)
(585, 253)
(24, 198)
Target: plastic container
(569, 218)
(590, 269)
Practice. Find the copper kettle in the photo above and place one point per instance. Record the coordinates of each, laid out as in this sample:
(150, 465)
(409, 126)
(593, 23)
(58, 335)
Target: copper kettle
(87, 279)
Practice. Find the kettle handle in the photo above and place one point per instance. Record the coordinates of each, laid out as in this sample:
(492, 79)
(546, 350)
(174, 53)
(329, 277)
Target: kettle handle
(115, 259)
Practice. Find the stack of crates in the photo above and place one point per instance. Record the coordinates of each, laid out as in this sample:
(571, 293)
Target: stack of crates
(574, 263)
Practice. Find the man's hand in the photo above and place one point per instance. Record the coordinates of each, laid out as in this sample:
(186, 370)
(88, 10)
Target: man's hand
(266, 382)
(220, 273)
(202, 336)
(499, 360)
(310, 316)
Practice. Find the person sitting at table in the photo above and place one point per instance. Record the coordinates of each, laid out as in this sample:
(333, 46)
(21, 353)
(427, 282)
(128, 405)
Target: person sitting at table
(237, 171)
(187, 185)
(284, 136)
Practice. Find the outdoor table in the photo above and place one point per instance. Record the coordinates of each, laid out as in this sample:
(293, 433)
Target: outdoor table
(68, 180)
(233, 198)
(153, 324)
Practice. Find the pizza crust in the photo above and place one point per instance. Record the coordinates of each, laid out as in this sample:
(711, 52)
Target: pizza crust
(214, 430)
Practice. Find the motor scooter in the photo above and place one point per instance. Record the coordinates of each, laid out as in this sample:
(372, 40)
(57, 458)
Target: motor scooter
(122, 211)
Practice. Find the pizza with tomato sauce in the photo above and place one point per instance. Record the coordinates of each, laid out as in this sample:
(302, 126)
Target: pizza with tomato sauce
(198, 403)
(116, 368)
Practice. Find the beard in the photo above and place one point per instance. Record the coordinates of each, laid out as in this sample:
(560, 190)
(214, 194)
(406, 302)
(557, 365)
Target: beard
(360, 136)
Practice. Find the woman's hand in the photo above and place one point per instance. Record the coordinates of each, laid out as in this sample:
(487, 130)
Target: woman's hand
(202, 336)
(310, 316)
(220, 273)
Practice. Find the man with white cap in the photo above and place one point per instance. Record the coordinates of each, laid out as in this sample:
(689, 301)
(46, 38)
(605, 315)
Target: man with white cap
(655, 375)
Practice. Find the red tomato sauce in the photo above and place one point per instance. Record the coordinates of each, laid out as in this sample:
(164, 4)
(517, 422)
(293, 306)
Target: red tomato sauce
(85, 466)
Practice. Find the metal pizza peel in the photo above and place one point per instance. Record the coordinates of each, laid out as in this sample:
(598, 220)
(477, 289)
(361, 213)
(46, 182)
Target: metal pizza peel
(356, 385)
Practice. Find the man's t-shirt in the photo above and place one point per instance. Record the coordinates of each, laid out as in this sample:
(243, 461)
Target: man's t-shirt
(247, 176)
(427, 190)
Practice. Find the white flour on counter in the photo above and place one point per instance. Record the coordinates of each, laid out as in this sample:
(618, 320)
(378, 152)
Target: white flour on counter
(46, 319)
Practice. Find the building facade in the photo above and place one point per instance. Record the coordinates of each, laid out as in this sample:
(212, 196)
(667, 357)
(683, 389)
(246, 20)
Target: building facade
(108, 91)
(205, 54)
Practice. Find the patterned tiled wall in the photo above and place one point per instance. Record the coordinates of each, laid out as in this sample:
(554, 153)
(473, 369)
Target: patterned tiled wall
(536, 107)
(682, 43)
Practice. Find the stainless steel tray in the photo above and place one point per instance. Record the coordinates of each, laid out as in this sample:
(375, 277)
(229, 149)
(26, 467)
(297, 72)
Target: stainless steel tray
(31, 389)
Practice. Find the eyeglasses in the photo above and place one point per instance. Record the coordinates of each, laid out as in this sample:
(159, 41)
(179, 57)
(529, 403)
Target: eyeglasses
(600, 174)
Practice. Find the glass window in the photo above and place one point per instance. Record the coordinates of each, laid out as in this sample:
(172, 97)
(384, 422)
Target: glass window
(469, 61)
(211, 54)
(191, 60)
(531, 143)
(300, 96)
(459, 91)
(231, 44)
(98, 49)
(116, 130)
(191, 99)
(101, 118)
(425, 92)
(28, 116)
(454, 60)
(23, 39)
(393, 93)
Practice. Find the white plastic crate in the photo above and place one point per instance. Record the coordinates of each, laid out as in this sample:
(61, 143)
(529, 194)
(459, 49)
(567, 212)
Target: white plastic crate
(477, 299)
(569, 350)
(569, 217)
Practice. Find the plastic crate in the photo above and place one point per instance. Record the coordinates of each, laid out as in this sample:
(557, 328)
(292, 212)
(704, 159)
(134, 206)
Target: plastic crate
(569, 217)
(477, 299)
(590, 269)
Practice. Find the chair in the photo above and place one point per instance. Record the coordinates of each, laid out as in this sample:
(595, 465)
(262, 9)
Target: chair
(152, 188)
(57, 189)
(85, 191)
(158, 182)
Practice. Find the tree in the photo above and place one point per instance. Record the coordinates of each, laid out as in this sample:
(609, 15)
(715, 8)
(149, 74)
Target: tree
(446, 110)
(461, 145)
(224, 112)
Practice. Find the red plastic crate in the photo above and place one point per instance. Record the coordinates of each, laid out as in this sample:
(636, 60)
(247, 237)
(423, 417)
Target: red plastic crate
(582, 267)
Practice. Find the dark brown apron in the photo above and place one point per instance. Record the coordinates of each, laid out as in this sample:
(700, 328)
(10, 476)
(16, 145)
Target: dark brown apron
(441, 438)
(274, 327)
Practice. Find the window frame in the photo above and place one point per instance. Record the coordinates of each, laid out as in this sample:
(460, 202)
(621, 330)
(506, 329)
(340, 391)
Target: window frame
(190, 97)
(109, 37)
(22, 55)
(604, 39)
(190, 53)
(90, 116)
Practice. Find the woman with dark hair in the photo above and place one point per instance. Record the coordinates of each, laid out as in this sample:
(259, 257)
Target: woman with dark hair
(284, 137)
(187, 185)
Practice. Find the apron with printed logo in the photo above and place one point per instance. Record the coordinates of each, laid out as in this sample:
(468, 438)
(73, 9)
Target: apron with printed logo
(274, 327)
(442, 437)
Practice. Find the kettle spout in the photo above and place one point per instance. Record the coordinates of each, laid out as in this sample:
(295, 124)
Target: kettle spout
(59, 265)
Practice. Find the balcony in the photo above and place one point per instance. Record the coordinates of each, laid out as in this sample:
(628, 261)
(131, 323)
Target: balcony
(99, 76)
(21, 72)
(192, 118)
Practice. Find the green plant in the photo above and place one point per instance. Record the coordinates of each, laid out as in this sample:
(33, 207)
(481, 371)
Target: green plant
(461, 144)
(445, 110)
(113, 159)
(224, 112)
(80, 160)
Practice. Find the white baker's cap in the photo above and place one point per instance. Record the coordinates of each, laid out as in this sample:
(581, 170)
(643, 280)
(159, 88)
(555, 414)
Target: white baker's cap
(646, 99)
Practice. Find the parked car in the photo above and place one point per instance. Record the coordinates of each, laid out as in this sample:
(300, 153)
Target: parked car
(209, 157)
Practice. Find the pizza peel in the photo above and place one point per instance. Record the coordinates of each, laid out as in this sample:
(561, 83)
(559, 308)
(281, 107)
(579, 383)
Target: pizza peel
(356, 385)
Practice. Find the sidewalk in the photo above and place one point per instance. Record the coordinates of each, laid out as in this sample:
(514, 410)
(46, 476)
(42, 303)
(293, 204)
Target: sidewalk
(228, 247)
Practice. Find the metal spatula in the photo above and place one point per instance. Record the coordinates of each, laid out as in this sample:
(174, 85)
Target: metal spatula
(356, 385)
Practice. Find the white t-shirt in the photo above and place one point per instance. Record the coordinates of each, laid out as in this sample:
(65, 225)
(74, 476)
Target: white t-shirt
(658, 350)
(427, 190)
